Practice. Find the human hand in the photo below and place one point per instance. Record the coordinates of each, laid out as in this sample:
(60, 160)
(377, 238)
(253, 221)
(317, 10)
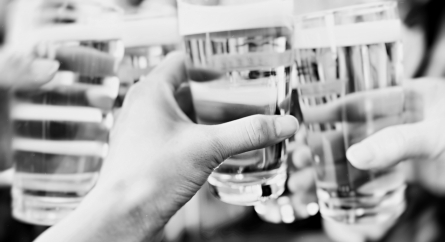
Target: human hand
(21, 70)
(366, 113)
(407, 128)
(319, 152)
(159, 158)
(422, 143)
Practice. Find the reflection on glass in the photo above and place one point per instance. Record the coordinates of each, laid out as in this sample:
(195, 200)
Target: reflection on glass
(255, 63)
(61, 129)
(342, 55)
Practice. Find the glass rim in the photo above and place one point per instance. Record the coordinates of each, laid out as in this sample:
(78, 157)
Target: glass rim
(323, 13)
(232, 3)
(105, 5)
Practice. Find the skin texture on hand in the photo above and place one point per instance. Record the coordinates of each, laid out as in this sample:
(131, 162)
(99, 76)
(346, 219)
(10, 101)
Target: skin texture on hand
(159, 159)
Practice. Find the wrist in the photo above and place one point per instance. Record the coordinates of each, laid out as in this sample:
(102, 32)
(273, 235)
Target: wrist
(106, 214)
(126, 210)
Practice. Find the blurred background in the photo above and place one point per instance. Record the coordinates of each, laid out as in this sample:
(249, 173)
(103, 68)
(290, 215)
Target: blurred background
(150, 33)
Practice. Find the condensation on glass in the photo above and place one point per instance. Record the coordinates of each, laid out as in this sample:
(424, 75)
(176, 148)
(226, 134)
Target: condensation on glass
(340, 53)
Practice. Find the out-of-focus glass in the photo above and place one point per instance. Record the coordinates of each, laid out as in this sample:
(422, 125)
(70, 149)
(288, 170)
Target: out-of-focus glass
(340, 54)
(250, 43)
(61, 129)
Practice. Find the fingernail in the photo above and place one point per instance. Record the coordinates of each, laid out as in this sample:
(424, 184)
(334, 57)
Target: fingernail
(360, 155)
(286, 126)
(42, 68)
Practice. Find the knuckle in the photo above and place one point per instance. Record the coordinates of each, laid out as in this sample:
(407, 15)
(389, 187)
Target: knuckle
(220, 152)
(203, 153)
(257, 130)
(213, 148)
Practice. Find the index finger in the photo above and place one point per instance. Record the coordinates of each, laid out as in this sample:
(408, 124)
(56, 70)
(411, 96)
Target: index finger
(175, 71)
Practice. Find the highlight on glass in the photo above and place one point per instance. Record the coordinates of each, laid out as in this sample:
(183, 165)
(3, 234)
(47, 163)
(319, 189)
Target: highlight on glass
(342, 55)
(250, 44)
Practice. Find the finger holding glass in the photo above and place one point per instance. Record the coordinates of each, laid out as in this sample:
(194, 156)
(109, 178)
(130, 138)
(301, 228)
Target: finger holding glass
(157, 165)
(253, 51)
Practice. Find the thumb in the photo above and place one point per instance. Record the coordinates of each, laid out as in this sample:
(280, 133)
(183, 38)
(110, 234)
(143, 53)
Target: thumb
(250, 133)
(390, 146)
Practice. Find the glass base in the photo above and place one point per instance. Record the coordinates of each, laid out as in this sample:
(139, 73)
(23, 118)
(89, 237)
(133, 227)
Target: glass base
(248, 189)
(40, 210)
(340, 232)
(370, 209)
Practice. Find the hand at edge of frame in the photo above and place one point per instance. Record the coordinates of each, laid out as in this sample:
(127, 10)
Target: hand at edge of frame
(159, 159)
(421, 143)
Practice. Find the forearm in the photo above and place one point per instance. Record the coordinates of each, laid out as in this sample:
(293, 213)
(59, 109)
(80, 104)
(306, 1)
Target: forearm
(109, 216)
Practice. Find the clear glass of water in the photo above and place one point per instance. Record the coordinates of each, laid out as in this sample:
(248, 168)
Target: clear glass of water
(343, 54)
(61, 129)
(251, 44)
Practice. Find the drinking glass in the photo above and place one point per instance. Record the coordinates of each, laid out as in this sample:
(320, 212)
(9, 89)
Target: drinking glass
(61, 129)
(250, 43)
(342, 57)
